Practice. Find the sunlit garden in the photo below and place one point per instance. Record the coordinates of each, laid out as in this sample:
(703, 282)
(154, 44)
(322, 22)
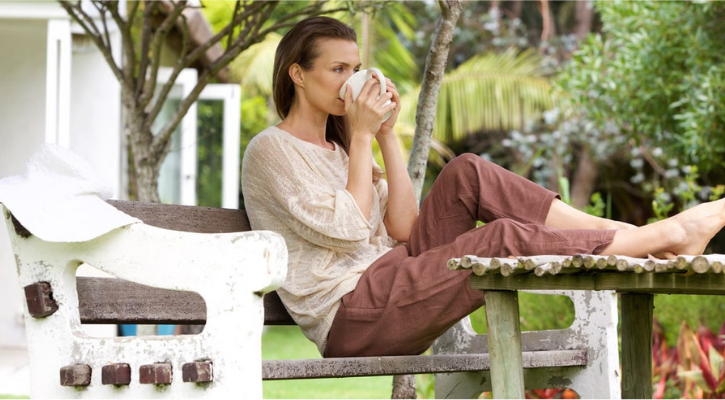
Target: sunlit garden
(618, 106)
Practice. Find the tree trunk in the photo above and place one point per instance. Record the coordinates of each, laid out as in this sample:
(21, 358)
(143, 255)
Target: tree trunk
(146, 165)
(516, 8)
(145, 26)
(366, 39)
(548, 29)
(584, 18)
(403, 387)
(435, 65)
(585, 177)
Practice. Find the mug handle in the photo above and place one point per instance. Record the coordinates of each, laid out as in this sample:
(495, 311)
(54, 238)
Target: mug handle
(380, 77)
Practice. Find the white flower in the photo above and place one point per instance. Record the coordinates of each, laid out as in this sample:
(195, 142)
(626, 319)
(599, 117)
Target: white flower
(551, 116)
(636, 163)
(672, 173)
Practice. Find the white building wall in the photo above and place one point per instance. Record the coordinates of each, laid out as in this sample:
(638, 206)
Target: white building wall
(95, 123)
(22, 131)
(94, 120)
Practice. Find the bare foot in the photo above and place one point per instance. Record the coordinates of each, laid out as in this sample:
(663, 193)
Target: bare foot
(665, 255)
(693, 228)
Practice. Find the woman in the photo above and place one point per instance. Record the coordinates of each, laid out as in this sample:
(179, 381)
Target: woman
(367, 275)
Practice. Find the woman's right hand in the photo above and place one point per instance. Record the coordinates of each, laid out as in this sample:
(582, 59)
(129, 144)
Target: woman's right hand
(365, 114)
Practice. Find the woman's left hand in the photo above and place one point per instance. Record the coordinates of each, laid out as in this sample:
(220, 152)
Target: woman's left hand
(387, 127)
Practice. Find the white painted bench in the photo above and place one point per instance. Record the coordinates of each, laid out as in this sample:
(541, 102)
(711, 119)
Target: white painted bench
(583, 357)
(230, 271)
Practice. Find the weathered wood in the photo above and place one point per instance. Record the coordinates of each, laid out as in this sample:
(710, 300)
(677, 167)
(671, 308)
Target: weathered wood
(637, 317)
(156, 374)
(700, 264)
(75, 375)
(672, 283)
(198, 372)
(404, 365)
(186, 218)
(116, 374)
(115, 301)
(39, 299)
(711, 263)
(504, 342)
(717, 267)
(511, 267)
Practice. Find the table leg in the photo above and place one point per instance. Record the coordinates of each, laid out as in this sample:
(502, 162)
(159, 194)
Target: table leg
(637, 345)
(504, 344)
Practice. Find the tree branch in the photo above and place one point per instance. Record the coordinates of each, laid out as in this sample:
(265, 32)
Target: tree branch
(248, 11)
(127, 44)
(257, 18)
(252, 18)
(85, 22)
(132, 12)
(289, 20)
(435, 65)
(102, 12)
(159, 38)
(143, 62)
(237, 8)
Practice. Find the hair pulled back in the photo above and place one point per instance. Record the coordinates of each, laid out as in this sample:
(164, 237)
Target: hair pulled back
(299, 46)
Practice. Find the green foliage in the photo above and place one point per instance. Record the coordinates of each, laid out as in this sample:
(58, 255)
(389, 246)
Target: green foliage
(688, 194)
(596, 206)
(209, 149)
(392, 27)
(672, 310)
(661, 205)
(657, 72)
(488, 92)
(536, 312)
(288, 342)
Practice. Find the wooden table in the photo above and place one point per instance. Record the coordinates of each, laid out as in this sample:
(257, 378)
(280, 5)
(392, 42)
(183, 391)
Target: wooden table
(637, 280)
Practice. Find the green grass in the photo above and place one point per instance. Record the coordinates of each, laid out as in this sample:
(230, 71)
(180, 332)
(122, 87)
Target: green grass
(285, 342)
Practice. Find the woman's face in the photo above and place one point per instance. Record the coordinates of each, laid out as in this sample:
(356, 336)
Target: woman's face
(338, 59)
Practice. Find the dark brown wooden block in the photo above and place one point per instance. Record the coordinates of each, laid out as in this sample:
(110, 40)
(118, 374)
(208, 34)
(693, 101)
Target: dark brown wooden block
(75, 375)
(155, 374)
(197, 372)
(39, 297)
(116, 374)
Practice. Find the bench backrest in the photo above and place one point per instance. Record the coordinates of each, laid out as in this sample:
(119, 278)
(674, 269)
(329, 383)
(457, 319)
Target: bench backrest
(103, 300)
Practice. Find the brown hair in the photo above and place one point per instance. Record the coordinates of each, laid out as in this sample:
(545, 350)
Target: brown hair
(299, 46)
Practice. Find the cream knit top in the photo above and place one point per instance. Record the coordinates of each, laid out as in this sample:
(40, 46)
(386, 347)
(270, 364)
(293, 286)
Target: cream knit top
(297, 189)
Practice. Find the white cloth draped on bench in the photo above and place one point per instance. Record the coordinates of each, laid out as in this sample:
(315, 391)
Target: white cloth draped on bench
(60, 198)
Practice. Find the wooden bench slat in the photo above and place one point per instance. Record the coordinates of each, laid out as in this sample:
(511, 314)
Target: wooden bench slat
(405, 365)
(186, 218)
(116, 301)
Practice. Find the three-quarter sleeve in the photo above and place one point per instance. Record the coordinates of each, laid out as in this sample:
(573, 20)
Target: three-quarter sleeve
(297, 193)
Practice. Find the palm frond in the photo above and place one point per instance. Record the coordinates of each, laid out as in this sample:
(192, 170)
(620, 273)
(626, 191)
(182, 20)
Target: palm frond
(488, 92)
(254, 67)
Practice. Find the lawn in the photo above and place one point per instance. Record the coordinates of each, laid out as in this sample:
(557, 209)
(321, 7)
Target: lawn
(281, 342)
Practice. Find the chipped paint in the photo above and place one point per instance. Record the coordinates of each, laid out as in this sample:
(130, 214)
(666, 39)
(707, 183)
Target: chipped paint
(232, 268)
(594, 328)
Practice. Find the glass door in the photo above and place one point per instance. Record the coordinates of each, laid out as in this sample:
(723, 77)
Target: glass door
(202, 167)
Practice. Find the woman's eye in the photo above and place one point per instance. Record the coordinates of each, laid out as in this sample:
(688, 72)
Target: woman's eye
(338, 69)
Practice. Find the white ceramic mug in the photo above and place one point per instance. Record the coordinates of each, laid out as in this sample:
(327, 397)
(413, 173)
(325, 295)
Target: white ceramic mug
(358, 79)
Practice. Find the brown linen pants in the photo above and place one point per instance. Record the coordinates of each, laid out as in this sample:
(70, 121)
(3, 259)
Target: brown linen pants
(407, 298)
